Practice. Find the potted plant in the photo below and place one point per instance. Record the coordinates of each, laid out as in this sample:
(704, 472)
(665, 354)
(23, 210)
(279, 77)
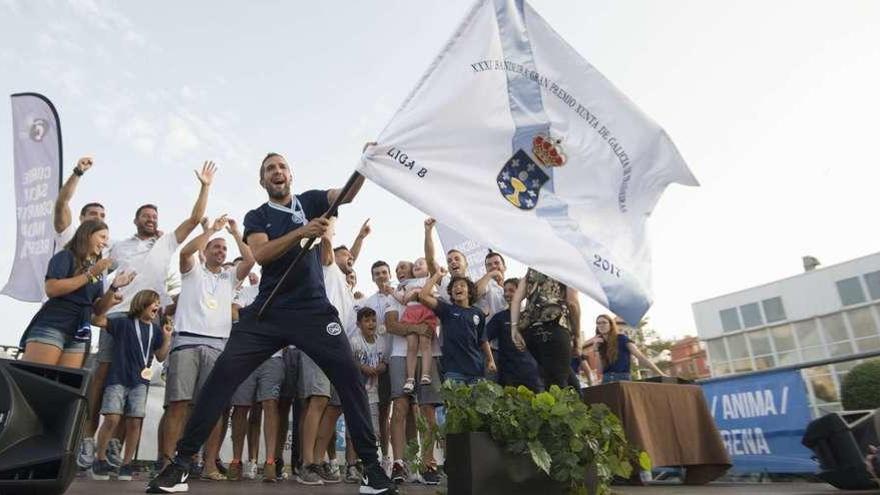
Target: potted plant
(512, 440)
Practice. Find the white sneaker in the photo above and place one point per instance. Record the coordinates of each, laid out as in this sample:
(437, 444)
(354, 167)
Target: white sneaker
(250, 470)
(386, 464)
(86, 456)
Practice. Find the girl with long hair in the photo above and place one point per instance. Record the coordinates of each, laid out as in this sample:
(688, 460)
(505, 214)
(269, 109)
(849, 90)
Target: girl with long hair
(60, 332)
(615, 352)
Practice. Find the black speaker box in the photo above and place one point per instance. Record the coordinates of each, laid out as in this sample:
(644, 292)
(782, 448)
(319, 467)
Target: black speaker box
(840, 442)
(42, 411)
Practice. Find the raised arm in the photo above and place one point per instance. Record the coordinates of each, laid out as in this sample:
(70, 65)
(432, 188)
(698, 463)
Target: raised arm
(167, 331)
(426, 295)
(247, 257)
(359, 240)
(326, 254)
(429, 245)
(515, 303)
(206, 178)
(643, 359)
(332, 194)
(266, 251)
(63, 217)
(112, 297)
(198, 244)
(483, 283)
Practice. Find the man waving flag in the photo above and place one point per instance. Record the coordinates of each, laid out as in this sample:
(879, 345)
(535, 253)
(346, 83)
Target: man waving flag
(512, 139)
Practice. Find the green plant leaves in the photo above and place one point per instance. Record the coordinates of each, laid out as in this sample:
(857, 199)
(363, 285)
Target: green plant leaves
(540, 456)
(561, 434)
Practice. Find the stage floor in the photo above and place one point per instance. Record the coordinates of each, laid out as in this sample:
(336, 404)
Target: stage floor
(88, 487)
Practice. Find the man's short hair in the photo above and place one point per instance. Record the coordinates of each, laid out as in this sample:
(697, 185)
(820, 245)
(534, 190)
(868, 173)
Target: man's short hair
(456, 251)
(511, 280)
(472, 289)
(379, 264)
(85, 208)
(365, 312)
(340, 248)
(492, 254)
(141, 208)
(212, 241)
(263, 163)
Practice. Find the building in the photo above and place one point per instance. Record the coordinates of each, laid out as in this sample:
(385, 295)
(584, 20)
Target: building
(822, 313)
(688, 359)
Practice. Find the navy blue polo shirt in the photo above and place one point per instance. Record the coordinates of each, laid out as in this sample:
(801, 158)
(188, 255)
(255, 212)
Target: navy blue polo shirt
(464, 329)
(624, 358)
(515, 367)
(67, 312)
(304, 288)
(129, 343)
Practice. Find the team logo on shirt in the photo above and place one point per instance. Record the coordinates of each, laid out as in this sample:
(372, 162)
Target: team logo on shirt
(521, 178)
(476, 320)
(334, 329)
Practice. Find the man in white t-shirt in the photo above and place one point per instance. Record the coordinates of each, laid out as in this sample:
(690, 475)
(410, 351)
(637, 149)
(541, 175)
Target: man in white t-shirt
(202, 322)
(337, 263)
(490, 296)
(148, 254)
(378, 302)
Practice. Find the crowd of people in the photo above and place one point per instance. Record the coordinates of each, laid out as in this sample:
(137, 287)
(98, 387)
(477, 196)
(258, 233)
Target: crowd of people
(318, 351)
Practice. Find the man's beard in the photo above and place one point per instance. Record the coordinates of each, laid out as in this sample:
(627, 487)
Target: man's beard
(279, 194)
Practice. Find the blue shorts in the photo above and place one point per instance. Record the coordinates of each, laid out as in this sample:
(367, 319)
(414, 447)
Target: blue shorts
(130, 402)
(58, 338)
(615, 376)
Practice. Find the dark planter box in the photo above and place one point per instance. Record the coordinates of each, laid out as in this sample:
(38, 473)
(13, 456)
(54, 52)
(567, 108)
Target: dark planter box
(475, 464)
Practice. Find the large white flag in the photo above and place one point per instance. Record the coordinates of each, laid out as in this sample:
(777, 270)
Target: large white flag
(512, 139)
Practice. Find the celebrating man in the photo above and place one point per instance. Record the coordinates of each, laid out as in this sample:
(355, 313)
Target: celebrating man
(301, 315)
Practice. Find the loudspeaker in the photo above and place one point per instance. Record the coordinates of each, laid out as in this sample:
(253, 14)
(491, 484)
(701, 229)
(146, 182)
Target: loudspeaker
(840, 442)
(42, 411)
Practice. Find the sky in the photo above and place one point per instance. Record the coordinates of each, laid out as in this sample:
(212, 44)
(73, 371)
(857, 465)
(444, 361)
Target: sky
(771, 104)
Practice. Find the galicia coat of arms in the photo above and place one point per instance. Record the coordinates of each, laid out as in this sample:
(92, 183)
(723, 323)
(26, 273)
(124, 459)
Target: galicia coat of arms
(521, 178)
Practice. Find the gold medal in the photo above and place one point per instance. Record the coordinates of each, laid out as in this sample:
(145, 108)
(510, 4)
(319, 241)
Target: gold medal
(211, 303)
(147, 374)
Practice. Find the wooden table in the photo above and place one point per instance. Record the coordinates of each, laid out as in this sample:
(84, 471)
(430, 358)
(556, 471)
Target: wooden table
(670, 422)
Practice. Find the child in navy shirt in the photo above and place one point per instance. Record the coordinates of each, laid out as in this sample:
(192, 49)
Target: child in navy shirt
(137, 339)
(463, 330)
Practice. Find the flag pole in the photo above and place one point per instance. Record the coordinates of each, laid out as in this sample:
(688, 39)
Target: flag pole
(308, 246)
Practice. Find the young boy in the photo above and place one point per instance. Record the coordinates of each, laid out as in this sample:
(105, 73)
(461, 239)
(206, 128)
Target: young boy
(408, 293)
(137, 339)
(464, 330)
(369, 354)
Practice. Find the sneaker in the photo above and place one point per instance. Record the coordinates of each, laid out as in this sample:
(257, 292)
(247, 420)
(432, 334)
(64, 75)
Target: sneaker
(86, 456)
(308, 475)
(352, 474)
(430, 476)
(398, 472)
(426, 380)
(233, 473)
(212, 476)
(220, 467)
(125, 472)
(280, 473)
(374, 481)
(114, 452)
(328, 473)
(195, 470)
(269, 473)
(100, 470)
(409, 385)
(250, 470)
(172, 479)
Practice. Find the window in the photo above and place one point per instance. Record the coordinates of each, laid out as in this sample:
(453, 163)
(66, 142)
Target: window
(717, 351)
(751, 315)
(783, 338)
(812, 347)
(773, 309)
(850, 291)
(834, 329)
(760, 342)
(872, 280)
(730, 320)
(737, 346)
(861, 321)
